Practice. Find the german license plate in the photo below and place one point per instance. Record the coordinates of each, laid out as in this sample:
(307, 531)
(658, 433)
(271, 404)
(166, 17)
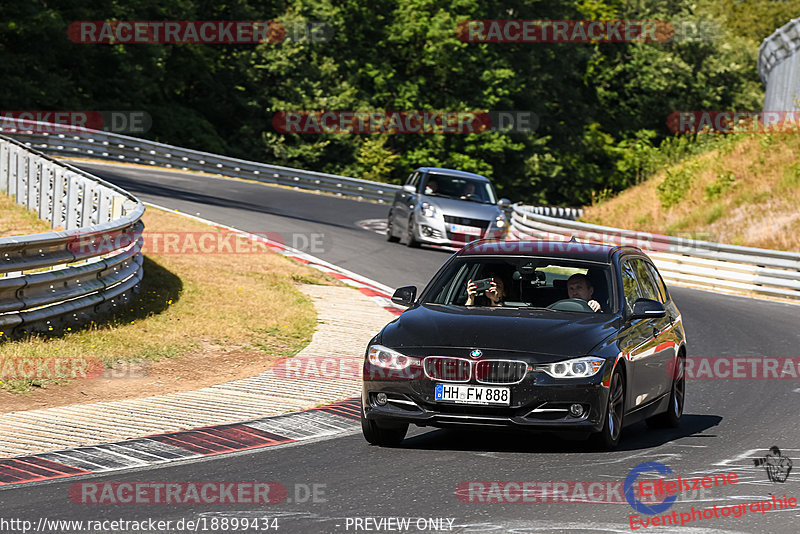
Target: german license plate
(473, 394)
(466, 230)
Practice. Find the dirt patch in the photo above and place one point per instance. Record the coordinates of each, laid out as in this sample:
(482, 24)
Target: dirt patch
(203, 368)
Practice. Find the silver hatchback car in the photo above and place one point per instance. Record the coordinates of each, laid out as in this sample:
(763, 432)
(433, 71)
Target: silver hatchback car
(446, 207)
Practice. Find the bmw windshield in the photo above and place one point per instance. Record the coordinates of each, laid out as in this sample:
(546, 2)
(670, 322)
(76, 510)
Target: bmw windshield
(524, 282)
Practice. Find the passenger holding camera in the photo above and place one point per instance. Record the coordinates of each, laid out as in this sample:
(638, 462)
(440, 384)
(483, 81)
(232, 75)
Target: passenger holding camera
(478, 294)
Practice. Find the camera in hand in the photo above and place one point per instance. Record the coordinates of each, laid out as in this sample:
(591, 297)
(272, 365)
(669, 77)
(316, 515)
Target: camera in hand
(482, 285)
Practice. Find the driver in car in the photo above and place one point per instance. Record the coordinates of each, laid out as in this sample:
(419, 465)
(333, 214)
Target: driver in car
(579, 287)
(468, 191)
(494, 296)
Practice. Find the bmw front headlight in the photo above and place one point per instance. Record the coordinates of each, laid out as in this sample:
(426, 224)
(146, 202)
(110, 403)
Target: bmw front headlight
(577, 368)
(387, 358)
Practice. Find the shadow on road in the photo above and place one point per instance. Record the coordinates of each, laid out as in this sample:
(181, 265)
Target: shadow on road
(635, 437)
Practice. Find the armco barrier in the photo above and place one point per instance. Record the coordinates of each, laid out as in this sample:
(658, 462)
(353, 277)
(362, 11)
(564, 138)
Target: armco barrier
(81, 142)
(687, 262)
(779, 68)
(91, 264)
(556, 211)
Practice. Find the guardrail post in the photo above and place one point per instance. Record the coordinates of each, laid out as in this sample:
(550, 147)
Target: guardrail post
(34, 176)
(87, 201)
(59, 212)
(18, 173)
(117, 203)
(46, 204)
(3, 168)
(103, 206)
(73, 197)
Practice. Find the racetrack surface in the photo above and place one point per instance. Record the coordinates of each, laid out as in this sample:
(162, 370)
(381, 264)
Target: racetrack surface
(726, 424)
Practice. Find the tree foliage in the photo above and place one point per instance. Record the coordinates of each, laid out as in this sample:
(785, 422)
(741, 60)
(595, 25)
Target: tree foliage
(602, 107)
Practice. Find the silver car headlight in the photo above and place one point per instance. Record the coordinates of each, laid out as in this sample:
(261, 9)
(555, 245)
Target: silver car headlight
(500, 221)
(428, 210)
(577, 368)
(387, 358)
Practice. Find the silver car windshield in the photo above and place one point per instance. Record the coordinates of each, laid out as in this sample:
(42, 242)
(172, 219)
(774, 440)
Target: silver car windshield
(459, 188)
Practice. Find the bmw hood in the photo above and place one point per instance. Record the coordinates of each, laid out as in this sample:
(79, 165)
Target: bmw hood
(541, 332)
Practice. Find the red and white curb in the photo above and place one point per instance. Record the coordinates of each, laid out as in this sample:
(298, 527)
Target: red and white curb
(205, 440)
(321, 422)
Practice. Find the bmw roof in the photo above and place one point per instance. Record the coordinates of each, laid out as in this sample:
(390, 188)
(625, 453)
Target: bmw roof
(573, 250)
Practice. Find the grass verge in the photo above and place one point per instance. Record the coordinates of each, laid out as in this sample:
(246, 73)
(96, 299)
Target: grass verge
(747, 192)
(190, 306)
(16, 220)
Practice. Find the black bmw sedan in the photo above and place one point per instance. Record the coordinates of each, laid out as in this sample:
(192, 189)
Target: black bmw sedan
(548, 336)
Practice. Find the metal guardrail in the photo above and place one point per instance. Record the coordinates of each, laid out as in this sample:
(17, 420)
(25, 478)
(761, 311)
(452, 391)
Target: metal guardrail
(83, 142)
(121, 148)
(687, 262)
(779, 68)
(90, 264)
(557, 211)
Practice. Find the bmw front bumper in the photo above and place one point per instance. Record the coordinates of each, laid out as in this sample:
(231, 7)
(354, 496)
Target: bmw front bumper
(539, 402)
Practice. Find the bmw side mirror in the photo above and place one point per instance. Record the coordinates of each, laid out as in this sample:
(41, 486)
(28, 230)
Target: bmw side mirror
(409, 189)
(647, 308)
(405, 296)
(503, 203)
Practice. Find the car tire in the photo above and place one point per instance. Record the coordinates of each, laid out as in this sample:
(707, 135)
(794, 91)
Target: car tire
(383, 436)
(390, 237)
(411, 241)
(613, 415)
(672, 417)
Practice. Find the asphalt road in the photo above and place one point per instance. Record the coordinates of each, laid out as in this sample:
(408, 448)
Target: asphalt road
(726, 422)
